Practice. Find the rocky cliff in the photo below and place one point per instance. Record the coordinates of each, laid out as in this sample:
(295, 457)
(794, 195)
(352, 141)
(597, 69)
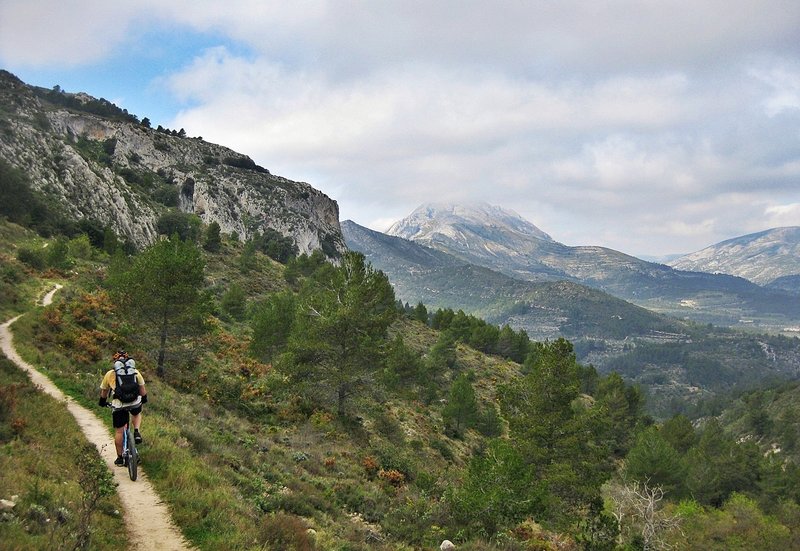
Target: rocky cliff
(101, 163)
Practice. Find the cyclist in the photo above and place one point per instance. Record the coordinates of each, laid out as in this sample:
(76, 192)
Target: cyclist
(124, 367)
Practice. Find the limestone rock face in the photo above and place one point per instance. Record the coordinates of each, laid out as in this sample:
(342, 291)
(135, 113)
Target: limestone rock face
(104, 165)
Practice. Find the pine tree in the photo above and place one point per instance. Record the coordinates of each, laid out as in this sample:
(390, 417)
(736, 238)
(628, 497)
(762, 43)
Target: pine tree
(563, 444)
(654, 461)
(213, 238)
(161, 288)
(272, 324)
(461, 411)
(340, 327)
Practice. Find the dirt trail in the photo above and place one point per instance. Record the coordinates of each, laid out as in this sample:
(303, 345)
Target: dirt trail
(146, 516)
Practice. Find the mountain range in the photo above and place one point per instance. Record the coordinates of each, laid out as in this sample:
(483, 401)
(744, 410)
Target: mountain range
(770, 258)
(501, 240)
(97, 162)
(544, 309)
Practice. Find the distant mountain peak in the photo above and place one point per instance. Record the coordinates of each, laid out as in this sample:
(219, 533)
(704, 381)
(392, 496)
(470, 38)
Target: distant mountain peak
(761, 257)
(430, 221)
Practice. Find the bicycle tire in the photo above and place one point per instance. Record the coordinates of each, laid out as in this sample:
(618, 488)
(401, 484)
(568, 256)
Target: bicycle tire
(132, 456)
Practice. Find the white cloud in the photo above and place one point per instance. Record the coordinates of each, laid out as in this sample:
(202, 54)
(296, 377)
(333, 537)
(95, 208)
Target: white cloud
(50, 33)
(783, 215)
(785, 89)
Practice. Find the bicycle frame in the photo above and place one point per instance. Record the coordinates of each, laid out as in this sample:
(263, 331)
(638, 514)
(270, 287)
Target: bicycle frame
(130, 455)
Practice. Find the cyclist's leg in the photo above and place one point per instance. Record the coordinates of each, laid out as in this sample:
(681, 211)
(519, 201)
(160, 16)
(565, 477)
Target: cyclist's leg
(119, 419)
(118, 439)
(136, 417)
(136, 421)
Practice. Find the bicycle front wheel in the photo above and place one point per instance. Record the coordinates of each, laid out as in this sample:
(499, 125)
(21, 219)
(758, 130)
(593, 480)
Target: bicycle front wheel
(132, 458)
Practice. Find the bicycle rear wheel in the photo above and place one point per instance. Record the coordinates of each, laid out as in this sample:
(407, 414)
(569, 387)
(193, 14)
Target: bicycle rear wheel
(132, 456)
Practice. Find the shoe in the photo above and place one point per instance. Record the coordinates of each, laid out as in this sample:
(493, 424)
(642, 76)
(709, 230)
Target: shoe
(119, 462)
(136, 436)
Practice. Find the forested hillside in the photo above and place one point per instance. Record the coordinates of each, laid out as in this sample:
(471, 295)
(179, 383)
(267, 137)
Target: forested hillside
(675, 361)
(299, 405)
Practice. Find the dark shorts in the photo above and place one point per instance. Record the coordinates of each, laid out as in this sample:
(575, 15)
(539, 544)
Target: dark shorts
(119, 417)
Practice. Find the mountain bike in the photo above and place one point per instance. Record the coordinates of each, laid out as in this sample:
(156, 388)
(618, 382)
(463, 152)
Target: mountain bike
(130, 455)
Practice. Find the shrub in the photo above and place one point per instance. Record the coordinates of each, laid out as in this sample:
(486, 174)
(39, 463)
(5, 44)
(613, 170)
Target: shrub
(392, 476)
(58, 255)
(213, 238)
(166, 194)
(280, 531)
(187, 226)
(33, 258)
(81, 247)
(442, 447)
(8, 400)
(244, 162)
(370, 465)
(234, 302)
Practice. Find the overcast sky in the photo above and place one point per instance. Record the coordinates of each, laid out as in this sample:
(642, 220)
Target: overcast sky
(651, 127)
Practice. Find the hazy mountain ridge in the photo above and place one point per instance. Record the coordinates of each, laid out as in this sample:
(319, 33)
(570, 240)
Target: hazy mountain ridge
(545, 310)
(761, 257)
(109, 168)
(474, 236)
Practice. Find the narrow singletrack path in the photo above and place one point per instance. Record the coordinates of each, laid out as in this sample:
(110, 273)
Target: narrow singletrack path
(147, 518)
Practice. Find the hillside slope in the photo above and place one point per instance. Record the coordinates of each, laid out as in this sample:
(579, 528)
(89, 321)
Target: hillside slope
(676, 361)
(99, 162)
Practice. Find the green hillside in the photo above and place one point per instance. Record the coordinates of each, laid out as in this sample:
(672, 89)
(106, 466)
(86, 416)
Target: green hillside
(676, 362)
(769, 416)
(247, 441)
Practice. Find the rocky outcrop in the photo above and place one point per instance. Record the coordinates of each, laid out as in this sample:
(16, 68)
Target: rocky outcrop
(118, 172)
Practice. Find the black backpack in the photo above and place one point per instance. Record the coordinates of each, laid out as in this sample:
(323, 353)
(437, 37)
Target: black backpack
(127, 388)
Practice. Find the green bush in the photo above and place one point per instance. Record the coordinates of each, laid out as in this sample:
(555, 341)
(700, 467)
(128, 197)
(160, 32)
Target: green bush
(186, 225)
(81, 247)
(234, 302)
(33, 258)
(166, 194)
(58, 255)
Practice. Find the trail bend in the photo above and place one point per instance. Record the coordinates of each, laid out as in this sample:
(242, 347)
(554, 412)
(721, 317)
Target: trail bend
(147, 518)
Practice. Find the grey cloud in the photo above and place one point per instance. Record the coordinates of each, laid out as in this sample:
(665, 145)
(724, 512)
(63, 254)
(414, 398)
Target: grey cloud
(679, 118)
